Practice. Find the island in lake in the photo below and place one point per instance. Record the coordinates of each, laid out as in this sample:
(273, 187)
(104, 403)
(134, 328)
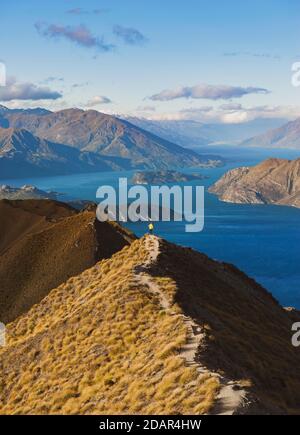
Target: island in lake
(163, 177)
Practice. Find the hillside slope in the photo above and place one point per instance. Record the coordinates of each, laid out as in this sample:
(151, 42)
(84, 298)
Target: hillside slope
(43, 243)
(274, 181)
(23, 154)
(189, 133)
(155, 329)
(287, 136)
(106, 135)
(18, 218)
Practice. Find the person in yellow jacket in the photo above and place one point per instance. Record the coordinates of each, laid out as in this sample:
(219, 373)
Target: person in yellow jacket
(151, 228)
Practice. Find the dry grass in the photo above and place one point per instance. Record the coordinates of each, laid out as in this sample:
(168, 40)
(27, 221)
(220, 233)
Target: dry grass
(248, 334)
(98, 344)
(44, 243)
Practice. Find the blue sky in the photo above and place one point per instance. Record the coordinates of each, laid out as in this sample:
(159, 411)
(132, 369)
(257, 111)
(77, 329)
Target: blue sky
(215, 60)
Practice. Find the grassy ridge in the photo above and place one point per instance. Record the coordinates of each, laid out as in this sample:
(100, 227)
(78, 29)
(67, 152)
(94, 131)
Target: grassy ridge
(100, 343)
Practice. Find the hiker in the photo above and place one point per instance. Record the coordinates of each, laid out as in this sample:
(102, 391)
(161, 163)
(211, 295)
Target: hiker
(151, 228)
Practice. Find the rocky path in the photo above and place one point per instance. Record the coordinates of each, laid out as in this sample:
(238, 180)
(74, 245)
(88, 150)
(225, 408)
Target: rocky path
(231, 395)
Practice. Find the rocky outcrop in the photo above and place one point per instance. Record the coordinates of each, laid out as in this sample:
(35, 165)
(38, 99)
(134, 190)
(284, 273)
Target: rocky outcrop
(274, 181)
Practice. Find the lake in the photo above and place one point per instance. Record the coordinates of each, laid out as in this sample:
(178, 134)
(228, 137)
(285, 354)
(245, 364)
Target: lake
(262, 240)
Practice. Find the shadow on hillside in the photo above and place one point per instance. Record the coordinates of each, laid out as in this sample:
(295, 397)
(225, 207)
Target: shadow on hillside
(248, 332)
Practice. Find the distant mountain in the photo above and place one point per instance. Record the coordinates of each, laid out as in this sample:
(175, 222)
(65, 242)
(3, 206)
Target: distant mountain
(23, 154)
(274, 181)
(106, 135)
(193, 133)
(235, 133)
(184, 133)
(24, 192)
(34, 111)
(287, 136)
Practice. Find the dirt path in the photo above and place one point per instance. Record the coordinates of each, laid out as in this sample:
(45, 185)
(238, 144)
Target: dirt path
(231, 395)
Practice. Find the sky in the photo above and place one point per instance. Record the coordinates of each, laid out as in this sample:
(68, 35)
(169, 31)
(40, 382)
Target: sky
(207, 60)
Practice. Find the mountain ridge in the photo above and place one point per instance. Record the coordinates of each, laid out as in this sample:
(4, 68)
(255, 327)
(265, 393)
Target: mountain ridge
(24, 154)
(49, 242)
(120, 338)
(191, 133)
(107, 137)
(287, 136)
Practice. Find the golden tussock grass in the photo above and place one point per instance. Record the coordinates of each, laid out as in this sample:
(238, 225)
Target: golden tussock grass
(101, 344)
(247, 332)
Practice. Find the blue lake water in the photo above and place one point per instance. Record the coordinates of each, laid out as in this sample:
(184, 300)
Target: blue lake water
(262, 240)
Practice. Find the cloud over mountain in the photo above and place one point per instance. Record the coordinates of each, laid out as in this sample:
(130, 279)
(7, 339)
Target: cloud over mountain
(210, 92)
(26, 91)
(229, 113)
(98, 99)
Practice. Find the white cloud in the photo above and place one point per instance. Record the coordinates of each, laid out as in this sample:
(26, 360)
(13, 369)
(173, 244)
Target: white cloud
(98, 99)
(210, 92)
(244, 114)
(234, 117)
(231, 106)
(229, 114)
(52, 105)
(26, 91)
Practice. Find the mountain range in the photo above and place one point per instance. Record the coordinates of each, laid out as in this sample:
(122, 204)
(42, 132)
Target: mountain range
(274, 181)
(24, 154)
(103, 323)
(189, 133)
(39, 142)
(287, 136)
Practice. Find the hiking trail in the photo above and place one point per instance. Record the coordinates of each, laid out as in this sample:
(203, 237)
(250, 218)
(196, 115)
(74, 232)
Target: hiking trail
(231, 395)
